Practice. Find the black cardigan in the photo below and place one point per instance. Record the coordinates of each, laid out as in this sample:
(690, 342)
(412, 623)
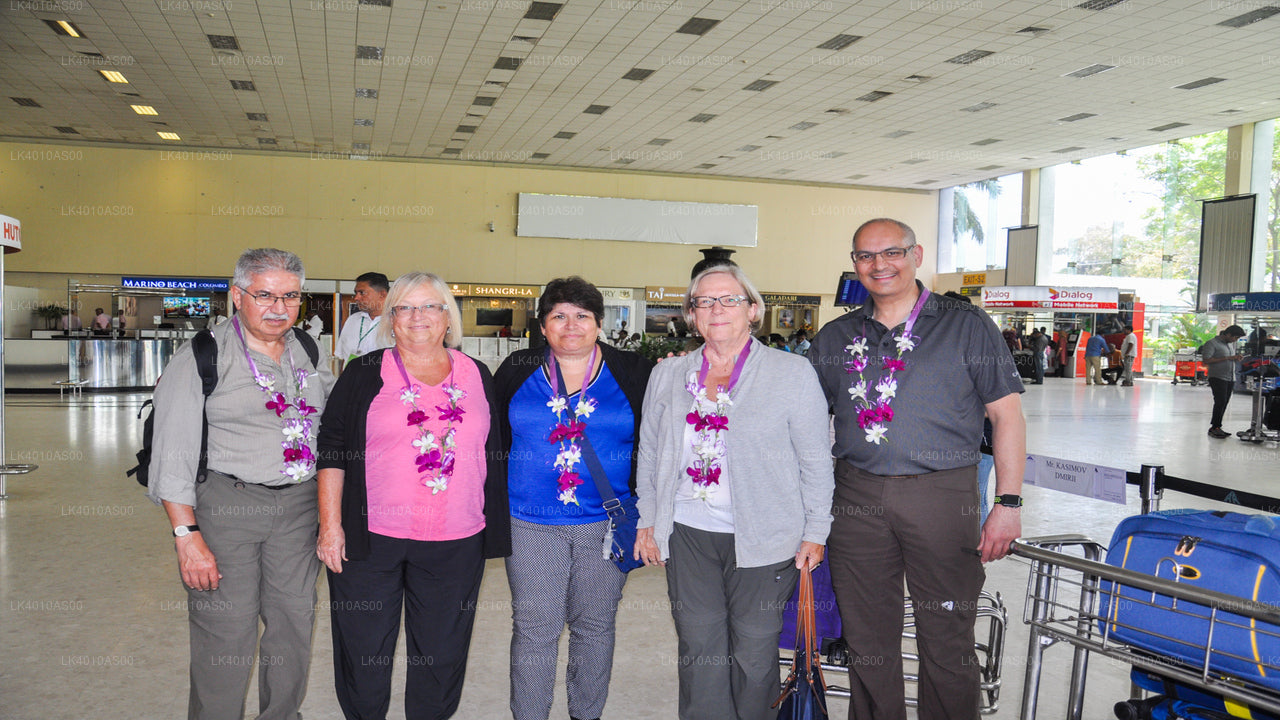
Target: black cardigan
(630, 369)
(341, 444)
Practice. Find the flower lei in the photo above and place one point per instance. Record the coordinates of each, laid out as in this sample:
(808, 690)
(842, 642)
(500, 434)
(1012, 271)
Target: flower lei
(299, 460)
(436, 456)
(874, 416)
(568, 432)
(710, 419)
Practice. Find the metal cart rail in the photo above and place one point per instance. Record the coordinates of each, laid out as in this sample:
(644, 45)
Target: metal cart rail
(1065, 593)
(991, 623)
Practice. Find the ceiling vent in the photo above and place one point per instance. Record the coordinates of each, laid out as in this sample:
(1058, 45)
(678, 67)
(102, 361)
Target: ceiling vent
(705, 166)
(368, 52)
(979, 107)
(697, 26)
(702, 117)
(596, 109)
(1098, 4)
(833, 154)
(376, 3)
(66, 129)
(748, 148)
(637, 74)
(1090, 70)
(659, 141)
(467, 129)
(565, 135)
(370, 93)
(223, 42)
(540, 156)
(256, 117)
(1169, 126)
(970, 57)
(246, 85)
(988, 141)
(839, 42)
(803, 126)
(1195, 84)
(363, 122)
(267, 141)
(990, 167)
(898, 134)
(507, 63)
(874, 95)
(1251, 17)
(1073, 148)
(26, 102)
(1077, 116)
(760, 85)
(543, 11)
(484, 100)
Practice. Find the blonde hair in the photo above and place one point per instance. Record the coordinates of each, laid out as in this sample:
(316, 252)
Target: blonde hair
(406, 284)
(734, 271)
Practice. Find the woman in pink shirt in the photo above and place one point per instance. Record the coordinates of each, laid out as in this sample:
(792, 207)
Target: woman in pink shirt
(412, 501)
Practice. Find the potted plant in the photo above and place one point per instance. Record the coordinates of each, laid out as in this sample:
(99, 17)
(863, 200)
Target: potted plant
(50, 313)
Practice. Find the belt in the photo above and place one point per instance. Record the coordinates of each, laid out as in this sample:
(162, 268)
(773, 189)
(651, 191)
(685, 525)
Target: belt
(860, 471)
(243, 483)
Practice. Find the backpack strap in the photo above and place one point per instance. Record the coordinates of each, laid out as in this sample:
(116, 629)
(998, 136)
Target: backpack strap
(205, 349)
(308, 344)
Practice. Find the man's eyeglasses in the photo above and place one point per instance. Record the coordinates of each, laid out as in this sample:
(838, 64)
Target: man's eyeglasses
(265, 299)
(864, 257)
(411, 310)
(729, 301)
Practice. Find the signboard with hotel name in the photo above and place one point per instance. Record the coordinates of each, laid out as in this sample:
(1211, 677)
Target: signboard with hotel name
(505, 291)
(1039, 296)
(163, 283)
(975, 279)
(791, 299)
(665, 294)
(617, 293)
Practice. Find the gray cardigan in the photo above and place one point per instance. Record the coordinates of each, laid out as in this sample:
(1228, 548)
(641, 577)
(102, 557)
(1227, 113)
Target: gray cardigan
(779, 447)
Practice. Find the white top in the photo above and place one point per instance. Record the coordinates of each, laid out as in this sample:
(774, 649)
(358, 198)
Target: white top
(715, 513)
(359, 336)
(1129, 348)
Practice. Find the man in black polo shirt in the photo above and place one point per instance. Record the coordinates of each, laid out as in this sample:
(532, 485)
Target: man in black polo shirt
(909, 376)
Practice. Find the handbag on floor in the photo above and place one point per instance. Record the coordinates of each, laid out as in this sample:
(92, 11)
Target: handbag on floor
(804, 692)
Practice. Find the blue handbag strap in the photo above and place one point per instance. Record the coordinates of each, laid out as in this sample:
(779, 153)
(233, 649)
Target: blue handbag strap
(612, 505)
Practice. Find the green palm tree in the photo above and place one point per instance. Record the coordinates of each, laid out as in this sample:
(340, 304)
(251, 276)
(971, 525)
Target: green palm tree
(964, 219)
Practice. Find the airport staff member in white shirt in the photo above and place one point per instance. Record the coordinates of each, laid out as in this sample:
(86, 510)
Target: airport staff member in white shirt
(360, 333)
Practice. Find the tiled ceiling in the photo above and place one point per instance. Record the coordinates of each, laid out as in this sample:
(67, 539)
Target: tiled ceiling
(914, 94)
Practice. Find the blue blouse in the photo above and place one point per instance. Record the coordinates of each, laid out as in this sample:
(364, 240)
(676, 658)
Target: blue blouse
(531, 473)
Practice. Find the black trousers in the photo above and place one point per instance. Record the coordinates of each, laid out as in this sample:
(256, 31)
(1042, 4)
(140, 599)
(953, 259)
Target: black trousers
(1221, 396)
(440, 581)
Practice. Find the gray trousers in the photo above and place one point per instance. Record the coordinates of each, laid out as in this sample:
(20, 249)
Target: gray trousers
(558, 576)
(728, 620)
(265, 545)
(924, 529)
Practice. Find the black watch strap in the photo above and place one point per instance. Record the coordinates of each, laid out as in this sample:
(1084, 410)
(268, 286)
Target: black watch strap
(187, 528)
(1009, 500)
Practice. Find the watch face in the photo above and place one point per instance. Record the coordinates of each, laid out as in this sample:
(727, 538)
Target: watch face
(181, 531)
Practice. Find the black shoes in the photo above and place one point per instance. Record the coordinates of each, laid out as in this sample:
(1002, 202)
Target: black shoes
(1217, 432)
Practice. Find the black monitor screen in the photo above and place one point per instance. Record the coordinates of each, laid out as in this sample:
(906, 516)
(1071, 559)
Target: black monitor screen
(493, 316)
(850, 292)
(186, 307)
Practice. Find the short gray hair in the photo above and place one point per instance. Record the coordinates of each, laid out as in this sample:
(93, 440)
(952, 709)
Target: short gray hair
(262, 260)
(406, 284)
(908, 235)
(735, 271)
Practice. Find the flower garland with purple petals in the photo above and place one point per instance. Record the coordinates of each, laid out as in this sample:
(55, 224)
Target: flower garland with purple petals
(710, 420)
(874, 416)
(435, 457)
(568, 432)
(299, 460)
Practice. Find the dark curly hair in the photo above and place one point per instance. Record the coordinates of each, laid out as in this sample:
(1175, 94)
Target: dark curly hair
(575, 291)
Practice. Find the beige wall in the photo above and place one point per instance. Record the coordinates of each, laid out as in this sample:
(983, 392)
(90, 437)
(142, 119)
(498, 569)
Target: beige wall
(115, 211)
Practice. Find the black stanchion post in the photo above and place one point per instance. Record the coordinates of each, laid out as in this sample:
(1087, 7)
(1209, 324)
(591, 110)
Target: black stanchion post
(1151, 487)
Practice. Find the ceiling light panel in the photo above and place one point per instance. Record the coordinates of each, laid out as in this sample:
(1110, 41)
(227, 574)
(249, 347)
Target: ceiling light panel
(839, 42)
(144, 109)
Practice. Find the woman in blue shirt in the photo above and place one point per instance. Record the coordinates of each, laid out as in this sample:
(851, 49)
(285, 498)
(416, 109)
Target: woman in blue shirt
(557, 570)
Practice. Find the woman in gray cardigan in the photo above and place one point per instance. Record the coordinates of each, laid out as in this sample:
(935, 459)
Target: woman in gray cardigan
(734, 484)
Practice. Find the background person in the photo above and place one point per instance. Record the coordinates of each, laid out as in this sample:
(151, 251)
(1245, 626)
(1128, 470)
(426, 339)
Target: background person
(909, 376)
(1220, 358)
(734, 496)
(557, 571)
(243, 534)
(1129, 353)
(101, 321)
(359, 335)
(1094, 350)
(412, 500)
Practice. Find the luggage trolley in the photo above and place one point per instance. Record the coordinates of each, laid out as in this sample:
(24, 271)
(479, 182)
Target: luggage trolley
(988, 643)
(1068, 601)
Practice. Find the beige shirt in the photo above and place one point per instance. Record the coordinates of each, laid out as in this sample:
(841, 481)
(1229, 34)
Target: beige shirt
(244, 435)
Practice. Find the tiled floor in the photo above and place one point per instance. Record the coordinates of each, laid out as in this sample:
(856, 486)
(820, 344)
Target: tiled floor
(92, 622)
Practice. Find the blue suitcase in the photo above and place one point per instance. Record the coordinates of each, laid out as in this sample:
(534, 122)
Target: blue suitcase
(1184, 701)
(1231, 553)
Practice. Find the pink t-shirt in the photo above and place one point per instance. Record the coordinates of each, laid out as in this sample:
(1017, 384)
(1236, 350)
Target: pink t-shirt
(400, 504)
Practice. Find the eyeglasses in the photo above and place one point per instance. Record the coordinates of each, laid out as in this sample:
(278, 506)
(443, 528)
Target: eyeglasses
(864, 257)
(729, 301)
(411, 310)
(266, 299)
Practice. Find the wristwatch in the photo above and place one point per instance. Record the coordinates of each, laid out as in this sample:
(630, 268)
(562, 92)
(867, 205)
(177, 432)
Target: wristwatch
(185, 530)
(1008, 500)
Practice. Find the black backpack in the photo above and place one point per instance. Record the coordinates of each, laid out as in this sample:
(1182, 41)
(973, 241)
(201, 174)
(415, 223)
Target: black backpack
(205, 349)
